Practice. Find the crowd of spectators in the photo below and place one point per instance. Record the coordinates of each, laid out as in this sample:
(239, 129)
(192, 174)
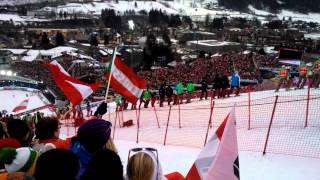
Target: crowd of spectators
(39, 154)
(208, 68)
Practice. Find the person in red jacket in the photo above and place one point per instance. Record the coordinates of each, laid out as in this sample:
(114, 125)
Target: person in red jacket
(48, 131)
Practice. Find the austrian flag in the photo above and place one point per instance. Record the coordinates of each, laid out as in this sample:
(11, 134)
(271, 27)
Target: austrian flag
(125, 82)
(22, 106)
(75, 90)
(219, 158)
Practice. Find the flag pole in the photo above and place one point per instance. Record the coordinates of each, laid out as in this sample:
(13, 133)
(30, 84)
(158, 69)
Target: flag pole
(109, 80)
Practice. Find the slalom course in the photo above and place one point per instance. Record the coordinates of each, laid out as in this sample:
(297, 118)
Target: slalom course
(295, 122)
(11, 98)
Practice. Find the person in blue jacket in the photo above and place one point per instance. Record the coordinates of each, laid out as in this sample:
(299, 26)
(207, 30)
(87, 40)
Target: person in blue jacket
(235, 83)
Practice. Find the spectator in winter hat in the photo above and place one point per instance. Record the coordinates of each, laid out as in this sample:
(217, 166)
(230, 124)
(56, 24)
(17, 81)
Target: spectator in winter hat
(10, 143)
(105, 164)
(57, 164)
(20, 131)
(48, 131)
(18, 160)
(144, 166)
(94, 134)
(91, 137)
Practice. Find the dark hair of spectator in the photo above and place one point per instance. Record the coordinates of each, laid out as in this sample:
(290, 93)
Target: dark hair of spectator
(46, 128)
(105, 164)
(57, 164)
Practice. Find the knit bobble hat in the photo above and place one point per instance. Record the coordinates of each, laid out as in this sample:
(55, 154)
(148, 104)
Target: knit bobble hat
(94, 134)
(18, 160)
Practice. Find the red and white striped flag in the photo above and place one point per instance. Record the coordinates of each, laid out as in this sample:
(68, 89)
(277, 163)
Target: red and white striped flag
(75, 90)
(54, 62)
(219, 158)
(125, 81)
(22, 106)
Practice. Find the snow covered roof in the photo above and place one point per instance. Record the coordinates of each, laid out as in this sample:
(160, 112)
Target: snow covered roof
(32, 54)
(104, 53)
(216, 55)
(16, 19)
(17, 51)
(78, 61)
(290, 62)
(121, 6)
(58, 51)
(212, 43)
(80, 56)
(313, 36)
(270, 50)
(246, 52)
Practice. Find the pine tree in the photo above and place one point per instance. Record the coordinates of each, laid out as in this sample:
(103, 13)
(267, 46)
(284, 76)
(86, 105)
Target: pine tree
(207, 24)
(94, 40)
(59, 39)
(44, 39)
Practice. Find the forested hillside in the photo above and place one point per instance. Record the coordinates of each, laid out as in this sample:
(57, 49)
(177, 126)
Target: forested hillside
(303, 6)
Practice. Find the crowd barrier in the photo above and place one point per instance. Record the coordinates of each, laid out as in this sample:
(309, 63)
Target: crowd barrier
(284, 123)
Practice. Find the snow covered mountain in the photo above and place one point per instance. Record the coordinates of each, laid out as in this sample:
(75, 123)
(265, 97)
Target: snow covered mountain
(21, 2)
(196, 9)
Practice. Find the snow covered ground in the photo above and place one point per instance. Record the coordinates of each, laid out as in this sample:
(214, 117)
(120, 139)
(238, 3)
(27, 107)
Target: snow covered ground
(315, 17)
(9, 99)
(182, 7)
(253, 166)
(189, 139)
(17, 19)
(288, 135)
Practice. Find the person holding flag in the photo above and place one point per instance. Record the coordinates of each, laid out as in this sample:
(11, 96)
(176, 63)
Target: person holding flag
(303, 70)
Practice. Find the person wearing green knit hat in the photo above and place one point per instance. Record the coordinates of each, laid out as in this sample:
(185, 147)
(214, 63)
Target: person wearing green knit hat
(19, 160)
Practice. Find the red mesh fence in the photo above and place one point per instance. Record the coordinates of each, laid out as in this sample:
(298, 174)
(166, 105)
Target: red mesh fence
(288, 134)
(295, 129)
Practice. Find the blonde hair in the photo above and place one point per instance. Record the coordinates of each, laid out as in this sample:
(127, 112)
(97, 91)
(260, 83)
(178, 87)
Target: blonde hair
(110, 145)
(140, 167)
